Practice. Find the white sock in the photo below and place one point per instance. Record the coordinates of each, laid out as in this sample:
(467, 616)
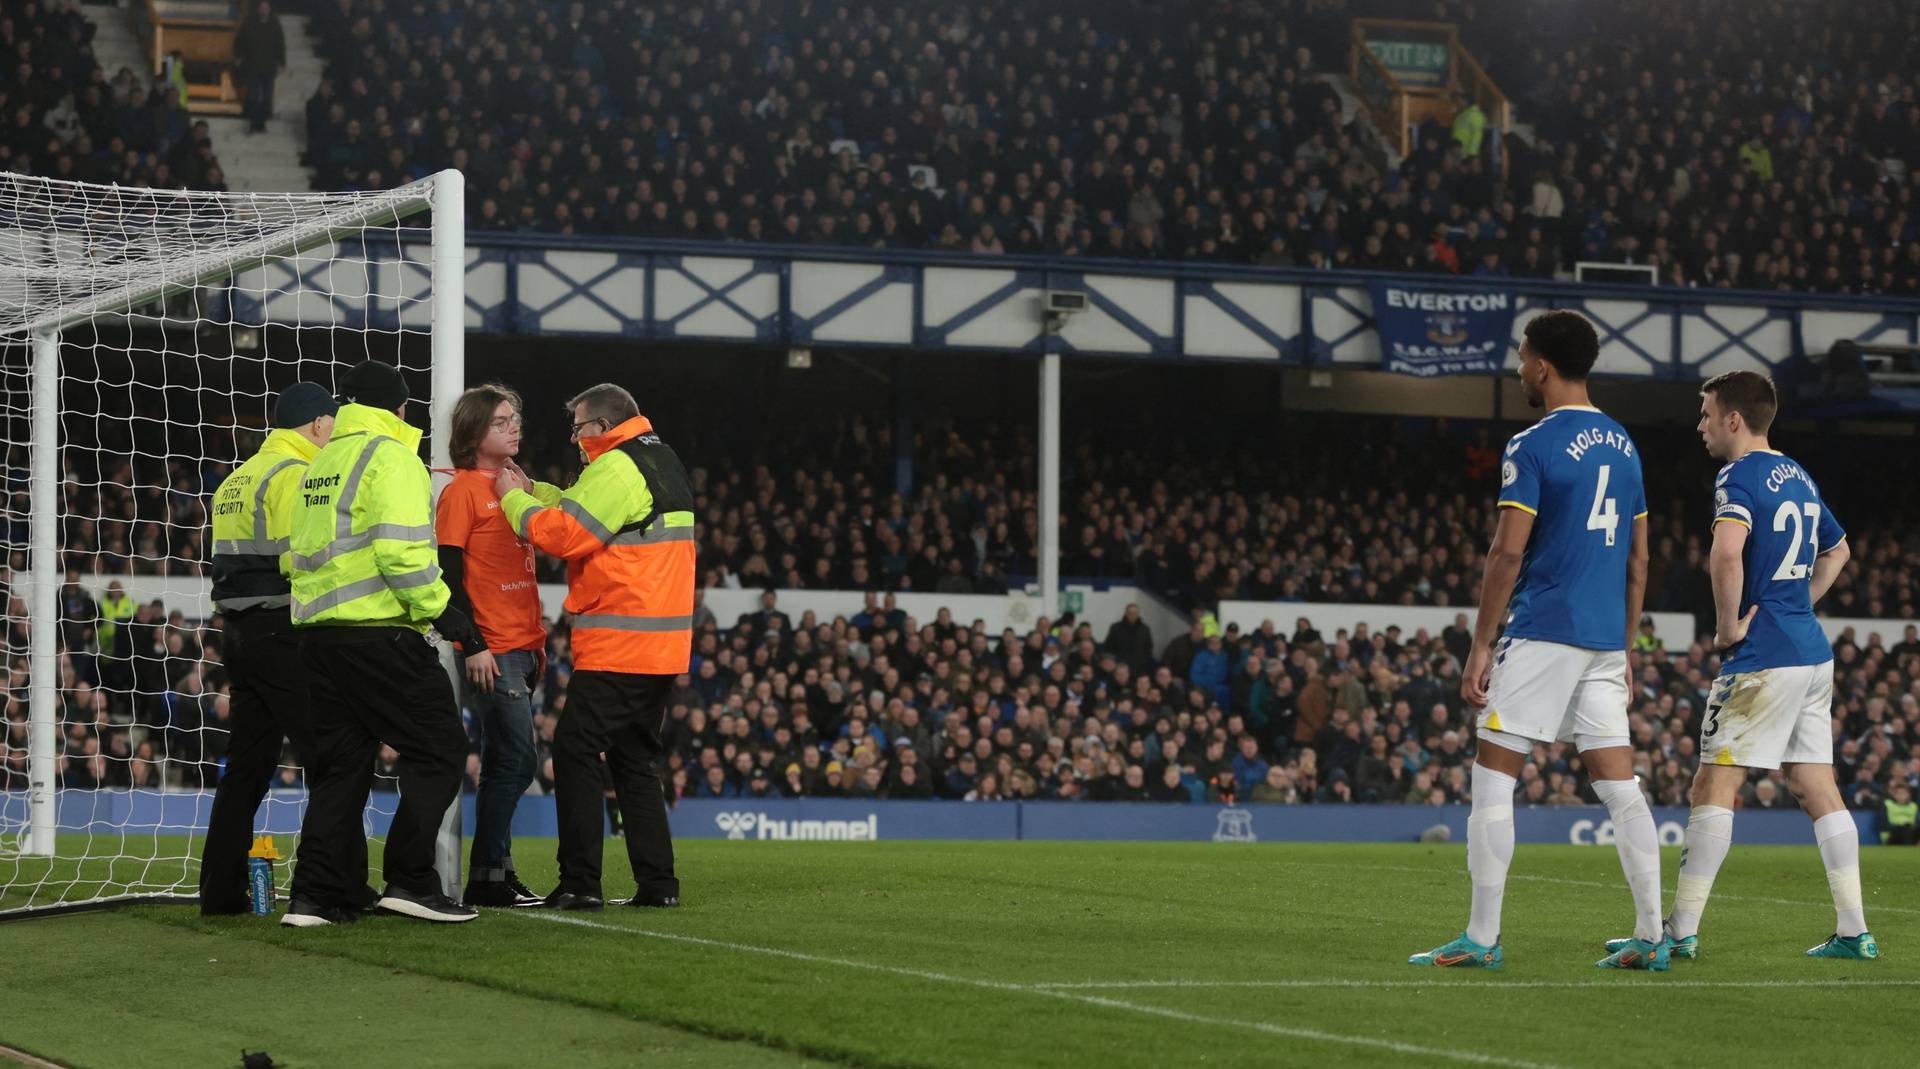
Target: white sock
(1639, 846)
(1709, 837)
(1839, 840)
(1489, 851)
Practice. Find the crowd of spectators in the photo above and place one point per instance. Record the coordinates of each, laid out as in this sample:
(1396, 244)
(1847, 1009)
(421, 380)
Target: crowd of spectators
(1321, 509)
(1389, 511)
(62, 116)
(1726, 143)
(878, 705)
(1317, 509)
(143, 696)
(1730, 143)
(1314, 508)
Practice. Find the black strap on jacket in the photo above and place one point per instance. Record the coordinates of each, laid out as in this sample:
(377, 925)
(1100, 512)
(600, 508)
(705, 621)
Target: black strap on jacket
(666, 479)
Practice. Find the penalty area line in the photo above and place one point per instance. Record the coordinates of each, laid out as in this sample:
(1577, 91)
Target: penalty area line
(1269, 1028)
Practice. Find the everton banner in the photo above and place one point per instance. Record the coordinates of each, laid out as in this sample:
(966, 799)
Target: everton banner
(1442, 330)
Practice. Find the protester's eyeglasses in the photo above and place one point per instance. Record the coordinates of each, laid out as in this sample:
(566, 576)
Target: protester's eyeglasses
(585, 423)
(505, 423)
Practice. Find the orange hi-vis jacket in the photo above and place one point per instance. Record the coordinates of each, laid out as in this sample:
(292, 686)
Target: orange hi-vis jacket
(626, 531)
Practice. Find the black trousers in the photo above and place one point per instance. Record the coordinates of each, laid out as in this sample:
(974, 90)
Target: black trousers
(621, 715)
(268, 704)
(373, 685)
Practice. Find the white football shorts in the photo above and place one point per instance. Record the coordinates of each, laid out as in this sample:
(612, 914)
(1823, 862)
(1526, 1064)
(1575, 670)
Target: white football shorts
(1771, 716)
(1551, 692)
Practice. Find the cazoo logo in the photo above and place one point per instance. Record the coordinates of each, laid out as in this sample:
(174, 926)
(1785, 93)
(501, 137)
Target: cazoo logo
(1589, 833)
(751, 825)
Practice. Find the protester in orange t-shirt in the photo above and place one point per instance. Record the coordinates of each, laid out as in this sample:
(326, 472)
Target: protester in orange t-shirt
(489, 571)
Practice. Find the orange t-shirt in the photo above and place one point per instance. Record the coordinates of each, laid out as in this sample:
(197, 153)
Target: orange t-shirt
(500, 582)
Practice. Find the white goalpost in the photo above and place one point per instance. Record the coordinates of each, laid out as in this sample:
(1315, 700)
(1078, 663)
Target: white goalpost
(143, 336)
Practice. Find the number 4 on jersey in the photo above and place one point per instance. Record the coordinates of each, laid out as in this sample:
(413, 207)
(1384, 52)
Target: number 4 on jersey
(1603, 517)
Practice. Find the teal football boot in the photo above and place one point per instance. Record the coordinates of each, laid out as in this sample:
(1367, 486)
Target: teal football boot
(1462, 953)
(1860, 947)
(1685, 949)
(1640, 954)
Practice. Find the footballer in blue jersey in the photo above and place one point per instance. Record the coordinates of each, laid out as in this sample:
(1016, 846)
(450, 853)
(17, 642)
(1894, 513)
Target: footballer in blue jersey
(1566, 574)
(1788, 528)
(1577, 473)
(1777, 548)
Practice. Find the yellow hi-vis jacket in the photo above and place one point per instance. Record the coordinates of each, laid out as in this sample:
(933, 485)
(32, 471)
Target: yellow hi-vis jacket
(362, 541)
(252, 513)
(114, 612)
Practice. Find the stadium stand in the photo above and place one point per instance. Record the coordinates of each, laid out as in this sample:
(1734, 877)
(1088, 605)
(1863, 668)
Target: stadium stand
(1319, 509)
(1747, 145)
(1388, 511)
(1128, 130)
(1109, 129)
(63, 117)
(879, 705)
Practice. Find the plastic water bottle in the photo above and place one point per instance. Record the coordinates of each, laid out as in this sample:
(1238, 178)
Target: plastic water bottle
(260, 874)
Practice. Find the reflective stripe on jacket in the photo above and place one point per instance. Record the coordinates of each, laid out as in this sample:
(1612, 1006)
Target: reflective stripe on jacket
(626, 531)
(362, 539)
(252, 513)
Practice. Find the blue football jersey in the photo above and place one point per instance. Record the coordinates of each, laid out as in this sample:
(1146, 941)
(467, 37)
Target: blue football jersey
(1788, 525)
(1577, 471)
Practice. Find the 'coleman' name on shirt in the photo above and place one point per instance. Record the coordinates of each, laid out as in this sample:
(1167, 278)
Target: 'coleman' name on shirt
(1587, 439)
(319, 482)
(1781, 473)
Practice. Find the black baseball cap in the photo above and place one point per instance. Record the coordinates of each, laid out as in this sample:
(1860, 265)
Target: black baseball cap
(301, 404)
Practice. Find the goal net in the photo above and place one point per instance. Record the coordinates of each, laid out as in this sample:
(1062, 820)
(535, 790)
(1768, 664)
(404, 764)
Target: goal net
(143, 337)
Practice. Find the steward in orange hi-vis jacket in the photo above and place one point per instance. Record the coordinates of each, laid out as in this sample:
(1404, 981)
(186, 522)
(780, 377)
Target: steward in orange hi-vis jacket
(626, 531)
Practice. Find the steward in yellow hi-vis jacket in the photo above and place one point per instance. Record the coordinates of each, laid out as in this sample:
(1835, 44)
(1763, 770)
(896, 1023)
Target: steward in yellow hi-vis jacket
(626, 531)
(252, 513)
(366, 593)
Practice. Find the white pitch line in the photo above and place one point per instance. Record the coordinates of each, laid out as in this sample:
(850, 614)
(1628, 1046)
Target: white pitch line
(1288, 1031)
(1871, 908)
(1462, 985)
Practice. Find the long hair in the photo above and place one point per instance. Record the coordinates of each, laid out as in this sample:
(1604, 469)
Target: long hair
(473, 417)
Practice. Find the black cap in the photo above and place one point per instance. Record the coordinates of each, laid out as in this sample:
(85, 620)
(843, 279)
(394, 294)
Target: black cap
(301, 404)
(374, 384)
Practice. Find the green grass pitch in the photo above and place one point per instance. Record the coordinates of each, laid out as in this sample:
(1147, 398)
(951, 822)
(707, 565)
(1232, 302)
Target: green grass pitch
(1015, 954)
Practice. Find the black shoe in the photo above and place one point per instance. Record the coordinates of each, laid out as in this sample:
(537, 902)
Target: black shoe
(509, 893)
(304, 914)
(524, 896)
(427, 907)
(567, 900)
(654, 901)
(367, 900)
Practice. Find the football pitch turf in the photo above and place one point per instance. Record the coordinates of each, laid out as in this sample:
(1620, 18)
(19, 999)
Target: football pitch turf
(994, 954)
